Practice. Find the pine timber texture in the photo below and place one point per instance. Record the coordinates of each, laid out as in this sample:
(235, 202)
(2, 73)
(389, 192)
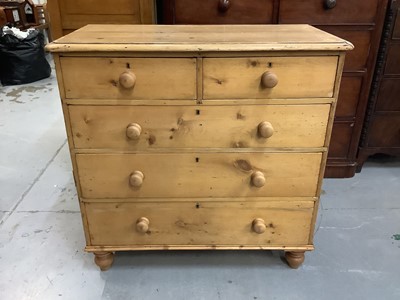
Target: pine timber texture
(166, 157)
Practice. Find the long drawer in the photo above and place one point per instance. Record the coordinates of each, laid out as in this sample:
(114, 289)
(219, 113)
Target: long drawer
(277, 223)
(129, 78)
(143, 127)
(198, 175)
(223, 12)
(269, 77)
(328, 12)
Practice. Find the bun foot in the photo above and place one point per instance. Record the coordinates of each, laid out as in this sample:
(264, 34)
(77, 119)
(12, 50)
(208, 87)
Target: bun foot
(104, 260)
(294, 259)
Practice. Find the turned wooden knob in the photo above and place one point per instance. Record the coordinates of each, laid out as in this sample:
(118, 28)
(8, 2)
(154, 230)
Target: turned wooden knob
(269, 80)
(329, 4)
(142, 225)
(127, 80)
(136, 179)
(265, 129)
(133, 131)
(258, 179)
(224, 5)
(259, 226)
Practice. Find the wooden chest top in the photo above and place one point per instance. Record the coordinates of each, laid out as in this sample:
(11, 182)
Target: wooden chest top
(189, 38)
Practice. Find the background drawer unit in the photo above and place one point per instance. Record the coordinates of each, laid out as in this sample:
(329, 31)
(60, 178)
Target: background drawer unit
(384, 130)
(156, 78)
(198, 174)
(328, 11)
(204, 223)
(298, 77)
(222, 12)
(198, 126)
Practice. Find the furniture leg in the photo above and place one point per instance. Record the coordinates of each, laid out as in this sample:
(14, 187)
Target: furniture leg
(295, 258)
(104, 260)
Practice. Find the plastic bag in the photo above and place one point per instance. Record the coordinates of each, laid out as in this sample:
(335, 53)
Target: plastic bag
(23, 60)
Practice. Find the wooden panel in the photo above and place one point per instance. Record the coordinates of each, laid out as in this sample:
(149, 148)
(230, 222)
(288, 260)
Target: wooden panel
(68, 15)
(393, 60)
(314, 12)
(340, 140)
(209, 12)
(95, 7)
(356, 59)
(350, 89)
(73, 22)
(241, 77)
(396, 27)
(384, 131)
(198, 126)
(203, 223)
(78, 13)
(156, 78)
(198, 174)
(389, 95)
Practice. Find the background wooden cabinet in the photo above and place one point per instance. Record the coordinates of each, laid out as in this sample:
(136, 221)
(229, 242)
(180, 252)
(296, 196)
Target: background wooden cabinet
(381, 133)
(69, 15)
(360, 22)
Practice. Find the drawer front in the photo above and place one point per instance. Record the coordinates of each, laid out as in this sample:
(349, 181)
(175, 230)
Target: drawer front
(129, 78)
(357, 58)
(328, 11)
(342, 133)
(392, 66)
(230, 12)
(350, 89)
(198, 175)
(143, 127)
(385, 131)
(200, 223)
(388, 96)
(293, 77)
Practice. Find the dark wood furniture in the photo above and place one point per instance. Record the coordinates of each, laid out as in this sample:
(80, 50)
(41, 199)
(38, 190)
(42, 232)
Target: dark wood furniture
(15, 14)
(360, 22)
(381, 133)
(3, 17)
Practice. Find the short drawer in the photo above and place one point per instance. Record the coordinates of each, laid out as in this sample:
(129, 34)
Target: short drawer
(198, 175)
(223, 12)
(129, 78)
(269, 77)
(342, 133)
(349, 95)
(356, 59)
(384, 131)
(392, 66)
(319, 12)
(143, 127)
(276, 223)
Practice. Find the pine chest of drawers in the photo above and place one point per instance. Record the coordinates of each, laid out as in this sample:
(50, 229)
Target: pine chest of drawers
(199, 137)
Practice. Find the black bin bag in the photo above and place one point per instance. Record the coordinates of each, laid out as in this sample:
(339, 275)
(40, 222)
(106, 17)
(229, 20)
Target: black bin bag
(23, 61)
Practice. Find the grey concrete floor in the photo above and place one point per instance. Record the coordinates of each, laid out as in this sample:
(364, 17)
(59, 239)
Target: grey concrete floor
(357, 239)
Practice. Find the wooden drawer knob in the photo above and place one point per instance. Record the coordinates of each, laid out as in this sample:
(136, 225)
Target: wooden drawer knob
(258, 179)
(259, 226)
(329, 4)
(269, 80)
(265, 129)
(224, 5)
(127, 80)
(142, 225)
(136, 179)
(133, 131)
